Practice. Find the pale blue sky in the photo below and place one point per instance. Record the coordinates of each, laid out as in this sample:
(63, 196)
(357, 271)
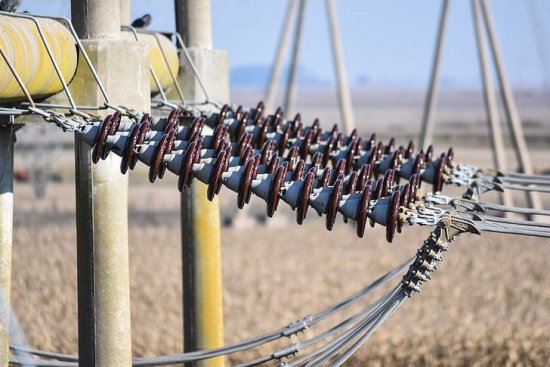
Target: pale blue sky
(388, 42)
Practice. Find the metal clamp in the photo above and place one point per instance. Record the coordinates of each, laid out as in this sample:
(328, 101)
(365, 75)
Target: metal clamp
(448, 227)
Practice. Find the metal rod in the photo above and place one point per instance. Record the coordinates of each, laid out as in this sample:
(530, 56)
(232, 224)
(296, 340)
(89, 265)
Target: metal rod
(7, 138)
(540, 226)
(511, 229)
(275, 74)
(64, 106)
(192, 65)
(13, 112)
(525, 181)
(174, 77)
(493, 121)
(512, 116)
(290, 93)
(513, 209)
(526, 188)
(159, 86)
(151, 70)
(83, 52)
(527, 176)
(17, 78)
(200, 218)
(426, 133)
(344, 98)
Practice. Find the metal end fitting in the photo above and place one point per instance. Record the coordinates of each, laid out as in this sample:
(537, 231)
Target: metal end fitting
(289, 351)
(298, 326)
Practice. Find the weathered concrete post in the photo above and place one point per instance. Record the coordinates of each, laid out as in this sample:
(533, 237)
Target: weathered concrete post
(509, 103)
(200, 218)
(272, 85)
(344, 98)
(426, 133)
(104, 327)
(7, 136)
(290, 92)
(489, 98)
(125, 12)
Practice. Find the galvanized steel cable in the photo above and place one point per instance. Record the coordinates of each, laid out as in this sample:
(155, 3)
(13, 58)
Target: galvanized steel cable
(292, 349)
(325, 352)
(312, 320)
(348, 353)
(513, 209)
(526, 188)
(292, 328)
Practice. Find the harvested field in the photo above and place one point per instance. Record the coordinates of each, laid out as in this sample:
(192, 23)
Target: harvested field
(489, 303)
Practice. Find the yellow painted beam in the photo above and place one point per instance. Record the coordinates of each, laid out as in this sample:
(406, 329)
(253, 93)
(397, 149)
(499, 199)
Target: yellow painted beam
(162, 67)
(202, 273)
(21, 42)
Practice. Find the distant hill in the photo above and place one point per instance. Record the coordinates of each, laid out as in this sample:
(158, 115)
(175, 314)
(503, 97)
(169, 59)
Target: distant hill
(258, 75)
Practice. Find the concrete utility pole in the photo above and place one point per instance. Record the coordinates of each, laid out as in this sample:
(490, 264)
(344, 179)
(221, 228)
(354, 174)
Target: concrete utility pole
(426, 133)
(290, 94)
(90, 20)
(200, 218)
(512, 115)
(7, 137)
(275, 75)
(493, 121)
(344, 98)
(104, 326)
(125, 12)
(194, 22)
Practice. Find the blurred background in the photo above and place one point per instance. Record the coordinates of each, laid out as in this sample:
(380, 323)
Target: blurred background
(386, 43)
(388, 48)
(488, 306)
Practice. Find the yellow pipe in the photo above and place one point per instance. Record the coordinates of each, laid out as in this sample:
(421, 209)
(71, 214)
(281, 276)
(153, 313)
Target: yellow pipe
(202, 273)
(21, 42)
(160, 66)
(208, 268)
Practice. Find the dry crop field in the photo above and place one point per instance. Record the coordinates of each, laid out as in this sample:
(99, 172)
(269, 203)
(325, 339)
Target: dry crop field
(489, 304)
